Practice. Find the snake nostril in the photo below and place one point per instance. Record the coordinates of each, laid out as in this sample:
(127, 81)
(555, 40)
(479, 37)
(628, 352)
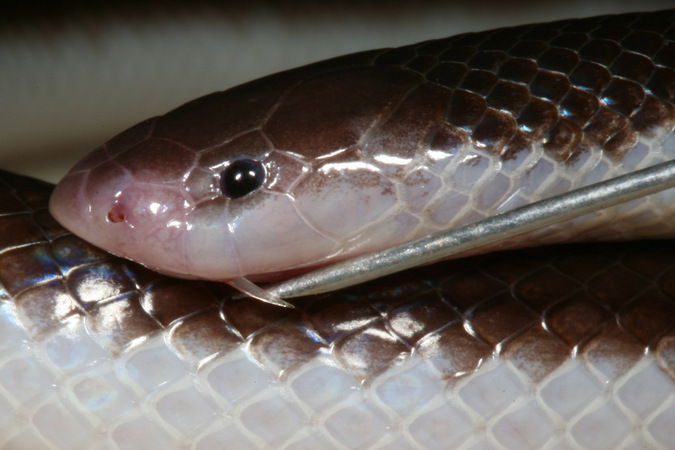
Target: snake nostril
(116, 214)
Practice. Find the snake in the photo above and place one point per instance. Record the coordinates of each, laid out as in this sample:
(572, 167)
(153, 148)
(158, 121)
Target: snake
(533, 348)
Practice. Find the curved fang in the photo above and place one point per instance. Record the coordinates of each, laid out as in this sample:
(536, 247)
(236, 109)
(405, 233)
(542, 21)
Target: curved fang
(252, 290)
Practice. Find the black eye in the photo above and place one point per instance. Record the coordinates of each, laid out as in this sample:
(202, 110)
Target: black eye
(242, 177)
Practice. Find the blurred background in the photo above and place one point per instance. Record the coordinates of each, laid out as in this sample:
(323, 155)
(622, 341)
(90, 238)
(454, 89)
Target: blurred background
(73, 74)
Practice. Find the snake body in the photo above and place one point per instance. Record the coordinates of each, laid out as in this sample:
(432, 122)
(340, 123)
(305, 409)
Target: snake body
(543, 348)
(362, 152)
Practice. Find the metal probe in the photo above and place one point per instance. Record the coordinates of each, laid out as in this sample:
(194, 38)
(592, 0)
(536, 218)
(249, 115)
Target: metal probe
(444, 244)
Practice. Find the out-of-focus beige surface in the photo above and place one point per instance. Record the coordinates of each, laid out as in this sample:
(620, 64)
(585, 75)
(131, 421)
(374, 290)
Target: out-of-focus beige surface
(72, 77)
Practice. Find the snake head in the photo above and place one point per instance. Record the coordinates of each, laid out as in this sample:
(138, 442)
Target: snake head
(261, 181)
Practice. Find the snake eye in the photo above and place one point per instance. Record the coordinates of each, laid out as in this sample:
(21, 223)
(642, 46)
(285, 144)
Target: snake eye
(242, 177)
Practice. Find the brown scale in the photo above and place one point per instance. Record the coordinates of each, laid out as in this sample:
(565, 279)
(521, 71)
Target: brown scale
(572, 86)
(625, 60)
(607, 301)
